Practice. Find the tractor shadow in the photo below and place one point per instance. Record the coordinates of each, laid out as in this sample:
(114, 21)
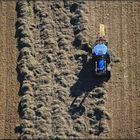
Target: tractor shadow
(86, 83)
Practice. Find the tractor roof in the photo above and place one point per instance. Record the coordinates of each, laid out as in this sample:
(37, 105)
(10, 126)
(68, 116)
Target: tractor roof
(100, 49)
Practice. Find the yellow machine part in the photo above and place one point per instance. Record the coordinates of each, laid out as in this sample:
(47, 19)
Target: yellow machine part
(101, 34)
(102, 30)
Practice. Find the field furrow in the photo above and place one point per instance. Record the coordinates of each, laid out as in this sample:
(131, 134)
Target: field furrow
(47, 86)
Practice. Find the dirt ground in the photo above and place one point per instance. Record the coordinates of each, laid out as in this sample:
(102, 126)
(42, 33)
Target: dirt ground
(123, 29)
(9, 85)
(59, 97)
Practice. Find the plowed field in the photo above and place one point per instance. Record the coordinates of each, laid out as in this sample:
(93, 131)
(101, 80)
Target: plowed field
(47, 87)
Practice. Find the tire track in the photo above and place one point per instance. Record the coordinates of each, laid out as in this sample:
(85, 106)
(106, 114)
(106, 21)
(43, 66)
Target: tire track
(8, 77)
(11, 118)
(132, 64)
(131, 31)
(119, 42)
(135, 96)
(3, 68)
(125, 113)
(126, 63)
(116, 42)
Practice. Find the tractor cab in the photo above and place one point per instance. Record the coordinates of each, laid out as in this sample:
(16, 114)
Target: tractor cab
(100, 58)
(99, 49)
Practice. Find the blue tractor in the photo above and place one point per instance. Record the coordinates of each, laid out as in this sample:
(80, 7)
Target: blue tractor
(101, 58)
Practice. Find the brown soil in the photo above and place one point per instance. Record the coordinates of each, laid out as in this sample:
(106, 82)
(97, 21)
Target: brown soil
(123, 30)
(9, 86)
(59, 97)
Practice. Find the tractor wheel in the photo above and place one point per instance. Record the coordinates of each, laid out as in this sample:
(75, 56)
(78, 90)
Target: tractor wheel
(108, 58)
(108, 74)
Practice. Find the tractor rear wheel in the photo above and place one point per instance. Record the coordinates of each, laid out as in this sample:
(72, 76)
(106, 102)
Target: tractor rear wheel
(108, 74)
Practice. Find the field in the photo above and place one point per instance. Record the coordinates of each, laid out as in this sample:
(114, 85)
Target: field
(47, 89)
